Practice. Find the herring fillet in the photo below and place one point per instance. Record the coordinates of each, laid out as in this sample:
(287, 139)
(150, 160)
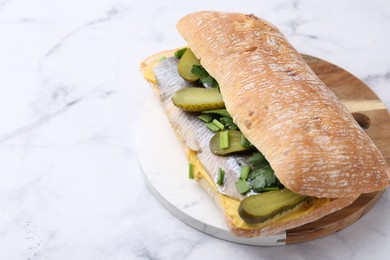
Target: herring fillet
(192, 131)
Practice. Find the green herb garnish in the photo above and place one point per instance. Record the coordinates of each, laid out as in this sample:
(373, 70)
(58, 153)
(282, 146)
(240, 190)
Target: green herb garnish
(245, 170)
(265, 189)
(179, 53)
(191, 171)
(221, 177)
(257, 159)
(212, 127)
(244, 142)
(242, 186)
(224, 139)
(218, 124)
(262, 177)
(228, 122)
(205, 118)
(222, 112)
(162, 58)
(204, 76)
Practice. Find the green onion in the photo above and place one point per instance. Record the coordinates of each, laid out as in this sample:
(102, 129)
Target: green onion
(212, 127)
(179, 53)
(205, 118)
(218, 124)
(269, 189)
(162, 58)
(221, 177)
(190, 171)
(224, 139)
(221, 112)
(228, 123)
(244, 142)
(244, 174)
(242, 186)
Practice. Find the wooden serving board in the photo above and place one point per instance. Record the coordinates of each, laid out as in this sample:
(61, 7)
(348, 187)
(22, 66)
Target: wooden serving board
(372, 114)
(167, 175)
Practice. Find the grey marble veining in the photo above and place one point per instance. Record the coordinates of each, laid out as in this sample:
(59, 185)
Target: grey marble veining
(70, 96)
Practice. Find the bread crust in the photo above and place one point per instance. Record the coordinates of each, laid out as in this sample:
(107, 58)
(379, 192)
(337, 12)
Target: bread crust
(309, 137)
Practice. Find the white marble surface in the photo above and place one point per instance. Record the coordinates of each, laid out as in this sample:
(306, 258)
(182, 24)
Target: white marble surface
(70, 95)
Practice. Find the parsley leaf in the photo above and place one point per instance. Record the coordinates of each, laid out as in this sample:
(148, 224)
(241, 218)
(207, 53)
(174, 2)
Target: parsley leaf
(256, 160)
(257, 184)
(204, 76)
(262, 177)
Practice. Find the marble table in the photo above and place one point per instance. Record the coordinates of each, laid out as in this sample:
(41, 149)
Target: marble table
(71, 186)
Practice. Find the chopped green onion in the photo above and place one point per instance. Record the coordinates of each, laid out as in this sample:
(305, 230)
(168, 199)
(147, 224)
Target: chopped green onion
(244, 142)
(205, 118)
(224, 139)
(242, 186)
(228, 123)
(244, 174)
(212, 127)
(162, 58)
(221, 177)
(221, 112)
(218, 124)
(179, 53)
(190, 171)
(269, 189)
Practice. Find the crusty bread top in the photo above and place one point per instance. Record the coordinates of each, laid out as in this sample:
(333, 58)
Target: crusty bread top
(309, 137)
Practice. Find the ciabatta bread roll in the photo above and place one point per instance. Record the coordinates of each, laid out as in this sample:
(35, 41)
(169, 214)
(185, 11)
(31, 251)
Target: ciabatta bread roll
(309, 138)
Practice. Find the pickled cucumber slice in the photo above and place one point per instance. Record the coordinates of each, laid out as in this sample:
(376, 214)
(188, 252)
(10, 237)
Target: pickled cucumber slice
(187, 61)
(234, 143)
(198, 99)
(261, 207)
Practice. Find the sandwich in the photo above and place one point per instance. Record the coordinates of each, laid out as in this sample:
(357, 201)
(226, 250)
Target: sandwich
(266, 139)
